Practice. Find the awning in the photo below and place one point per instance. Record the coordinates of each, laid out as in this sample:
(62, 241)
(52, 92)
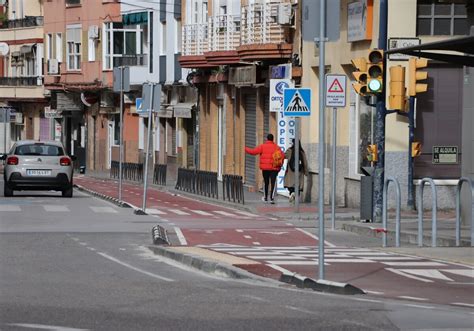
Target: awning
(25, 49)
(135, 18)
(462, 45)
(183, 110)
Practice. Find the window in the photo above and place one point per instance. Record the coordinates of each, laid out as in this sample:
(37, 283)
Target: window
(441, 19)
(49, 46)
(116, 118)
(59, 47)
(163, 38)
(73, 50)
(122, 45)
(179, 36)
(73, 2)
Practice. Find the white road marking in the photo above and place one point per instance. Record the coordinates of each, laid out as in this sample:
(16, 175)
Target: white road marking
(180, 235)
(9, 208)
(91, 249)
(253, 297)
(412, 298)
(247, 237)
(245, 213)
(273, 257)
(56, 208)
(368, 254)
(463, 304)
(45, 327)
(82, 243)
(256, 253)
(348, 260)
(428, 273)
(103, 210)
(282, 270)
(113, 259)
(300, 310)
(374, 292)
(178, 212)
(414, 264)
(238, 230)
(419, 306)
(256, 243)
(201, 212)
(392, 258)
(276, 233)
(398, 272)
(307, 233)
(461, 272)
(366, 300)
(224, 213)
(292, 262)
(153, 211)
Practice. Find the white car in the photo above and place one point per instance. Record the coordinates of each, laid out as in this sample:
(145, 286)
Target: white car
(37, 165)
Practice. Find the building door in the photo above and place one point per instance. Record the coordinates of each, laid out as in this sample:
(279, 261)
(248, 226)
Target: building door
(250, 103)
(439, 121)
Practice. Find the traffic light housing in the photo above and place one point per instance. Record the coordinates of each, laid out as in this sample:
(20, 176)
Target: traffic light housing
(396, 99)
(415, 149)
(375, 72)
(415, 75)
(360, 75)
(372, 153)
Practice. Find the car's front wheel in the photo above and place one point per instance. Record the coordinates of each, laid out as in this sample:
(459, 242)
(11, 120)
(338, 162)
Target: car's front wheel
(7, 192)
(67, 193)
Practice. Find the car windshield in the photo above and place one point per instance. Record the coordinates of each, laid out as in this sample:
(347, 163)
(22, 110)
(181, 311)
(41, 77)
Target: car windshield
(39, 149)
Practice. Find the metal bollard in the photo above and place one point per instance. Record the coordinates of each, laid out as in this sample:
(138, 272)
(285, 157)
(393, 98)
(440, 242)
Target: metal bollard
(458, 209)
(384, 213)
(434, 226)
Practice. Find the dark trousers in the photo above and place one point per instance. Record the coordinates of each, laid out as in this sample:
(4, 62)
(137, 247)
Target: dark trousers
(269, 177)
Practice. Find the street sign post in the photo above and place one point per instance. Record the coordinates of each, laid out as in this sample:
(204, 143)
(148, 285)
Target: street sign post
(335, 97)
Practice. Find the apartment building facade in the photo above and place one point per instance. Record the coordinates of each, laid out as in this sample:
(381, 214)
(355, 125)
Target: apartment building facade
(22, 94)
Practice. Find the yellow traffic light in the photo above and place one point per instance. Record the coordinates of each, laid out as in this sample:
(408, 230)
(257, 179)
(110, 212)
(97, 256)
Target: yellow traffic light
(415, 76)
(360, 75)
(415, 149)
(372, 153)
(396, 99)
(375, 71)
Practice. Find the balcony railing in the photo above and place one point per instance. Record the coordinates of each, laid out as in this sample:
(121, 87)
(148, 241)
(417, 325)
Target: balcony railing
(195, 39)
(260, 24)
(224, 32)
(26, 22)
(131, 60)
(21, 81)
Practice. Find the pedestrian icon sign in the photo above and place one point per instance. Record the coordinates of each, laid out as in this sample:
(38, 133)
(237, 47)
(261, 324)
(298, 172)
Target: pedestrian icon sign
(335, 86)
(297, 102)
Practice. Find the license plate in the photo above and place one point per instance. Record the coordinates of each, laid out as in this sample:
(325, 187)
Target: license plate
(34, 172)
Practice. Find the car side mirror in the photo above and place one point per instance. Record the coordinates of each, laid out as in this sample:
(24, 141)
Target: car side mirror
(73, 157)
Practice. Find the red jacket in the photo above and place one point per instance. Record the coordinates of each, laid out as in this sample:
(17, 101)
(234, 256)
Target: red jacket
(265, 151)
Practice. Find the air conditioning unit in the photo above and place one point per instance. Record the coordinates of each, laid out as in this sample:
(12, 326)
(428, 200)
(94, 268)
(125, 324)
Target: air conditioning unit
(284, 13)
(53, 67)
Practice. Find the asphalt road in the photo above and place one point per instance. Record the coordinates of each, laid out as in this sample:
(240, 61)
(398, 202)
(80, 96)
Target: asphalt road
(81, 263)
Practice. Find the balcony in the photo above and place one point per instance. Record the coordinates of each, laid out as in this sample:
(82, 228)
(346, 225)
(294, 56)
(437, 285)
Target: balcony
(21, 88)
(195, 43)
(224, 38)
(28, 21)
(21, 81)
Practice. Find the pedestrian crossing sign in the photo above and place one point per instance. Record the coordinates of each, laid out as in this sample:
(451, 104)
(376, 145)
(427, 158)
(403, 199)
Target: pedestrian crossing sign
(297, 102)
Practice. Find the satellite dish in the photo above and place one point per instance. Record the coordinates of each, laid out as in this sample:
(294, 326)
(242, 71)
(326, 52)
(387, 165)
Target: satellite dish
(4, 49)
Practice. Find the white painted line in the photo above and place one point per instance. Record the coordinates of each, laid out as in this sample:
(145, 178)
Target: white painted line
(419, 306)
(292, 262)
(56, 208)
(247, 237)
(273, 218)
(307, 233)
(181, 238)
(367, 254)
(201, 212)
(245, 213)
(412, 298)
(178, 212)
(82, 243)
(256, 243)
(461, 272)
(91, 248)
(253, 297)
(428, 273)
(414, 264)
(9, 208)
(374, 292)
(257, 253)
(224, 213)
(113, 259)
(238, 230)
(45, 327)
(463, 304)
(289, 224)
(391, 258)
(235, 249)
(282, 270)
(398, 272)
(348, 261)
(366, 300)
(103, 209)
(153, 211)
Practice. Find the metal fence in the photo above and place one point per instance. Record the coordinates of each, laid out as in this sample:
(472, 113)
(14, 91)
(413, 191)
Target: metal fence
(198, 182)
(233, 188)
(159, 174)
(130, 171)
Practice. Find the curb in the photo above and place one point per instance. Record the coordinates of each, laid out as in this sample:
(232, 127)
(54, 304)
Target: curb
(208, 266)
(115, 201)
(320, 285)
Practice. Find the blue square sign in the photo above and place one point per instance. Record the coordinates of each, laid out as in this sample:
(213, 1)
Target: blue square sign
(297, 102)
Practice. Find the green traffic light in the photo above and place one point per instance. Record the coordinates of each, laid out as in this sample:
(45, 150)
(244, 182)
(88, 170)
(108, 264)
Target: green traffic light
(374, 85)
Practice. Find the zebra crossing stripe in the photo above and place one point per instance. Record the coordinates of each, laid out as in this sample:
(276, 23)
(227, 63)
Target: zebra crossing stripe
(154, 211)
(178, 212)
(246, 213)
(103, 209)
(56, 208)
(414, 264)
(201, 212)
(461, 272)
(224, 213)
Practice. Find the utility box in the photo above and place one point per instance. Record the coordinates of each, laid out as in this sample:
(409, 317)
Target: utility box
(366, 193)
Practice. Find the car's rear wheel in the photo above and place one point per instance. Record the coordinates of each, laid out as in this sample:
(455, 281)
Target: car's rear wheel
(8, 192)
(67, 193)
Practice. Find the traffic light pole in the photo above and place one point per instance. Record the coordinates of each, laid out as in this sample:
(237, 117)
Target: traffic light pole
(411, 136)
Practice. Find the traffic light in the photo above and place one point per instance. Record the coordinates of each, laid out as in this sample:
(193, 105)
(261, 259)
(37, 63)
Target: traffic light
(396, 99)
(415, 149)
(413, 65)
(360, 75)
(372, 153)
(375, 71)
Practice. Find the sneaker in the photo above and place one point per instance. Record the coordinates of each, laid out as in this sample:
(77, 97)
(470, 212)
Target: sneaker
(264, 199)
(272, 202)
(292, 197)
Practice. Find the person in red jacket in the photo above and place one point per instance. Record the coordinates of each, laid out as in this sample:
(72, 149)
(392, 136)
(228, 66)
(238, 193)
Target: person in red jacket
(267, 164)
